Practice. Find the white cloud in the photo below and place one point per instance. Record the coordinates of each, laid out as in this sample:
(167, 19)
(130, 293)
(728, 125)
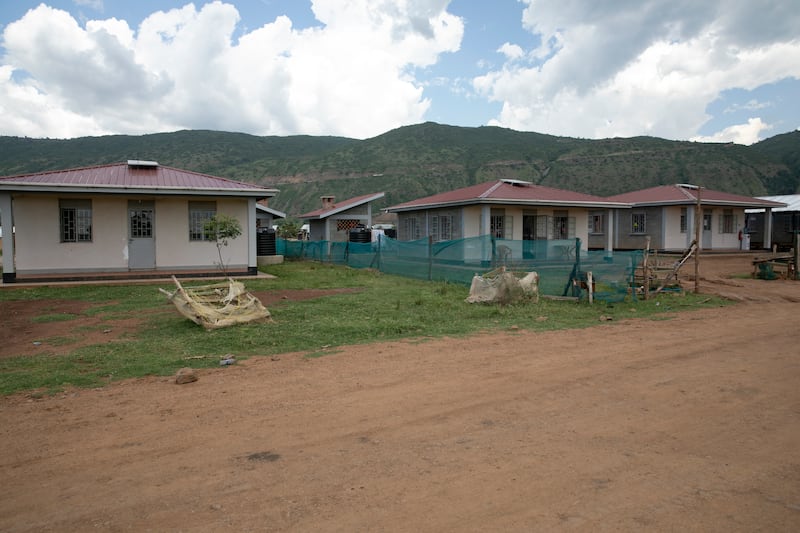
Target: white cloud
(607, 68)
(740, 133)
(351, 75)
(511, 51)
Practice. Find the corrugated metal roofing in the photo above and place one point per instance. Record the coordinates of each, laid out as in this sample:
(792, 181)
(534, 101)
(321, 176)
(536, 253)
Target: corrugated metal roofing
(338, 207)
(683, 195)
(125, 176)
(792, 201)
(500, 191)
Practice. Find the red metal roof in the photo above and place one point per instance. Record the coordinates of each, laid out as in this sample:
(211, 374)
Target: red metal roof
(500, 191)
(338, 207)
(680, 194)
(125, 176)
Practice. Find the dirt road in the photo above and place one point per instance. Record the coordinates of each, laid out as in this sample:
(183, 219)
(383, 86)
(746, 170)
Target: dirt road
(685, 424)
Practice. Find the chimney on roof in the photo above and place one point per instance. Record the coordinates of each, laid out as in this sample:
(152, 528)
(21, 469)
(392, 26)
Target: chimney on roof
(328, 202)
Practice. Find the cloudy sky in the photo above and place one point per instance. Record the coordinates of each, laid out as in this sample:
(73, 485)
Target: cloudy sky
(716, 70)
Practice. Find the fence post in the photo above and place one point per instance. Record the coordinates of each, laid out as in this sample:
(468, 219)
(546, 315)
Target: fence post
(646, 269)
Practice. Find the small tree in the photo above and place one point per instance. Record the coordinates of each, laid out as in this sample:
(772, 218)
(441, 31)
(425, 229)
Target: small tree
(288, 229)
(221, 229)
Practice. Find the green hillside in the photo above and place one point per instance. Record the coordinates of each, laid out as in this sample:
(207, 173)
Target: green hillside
(783, 148)
(424, 159)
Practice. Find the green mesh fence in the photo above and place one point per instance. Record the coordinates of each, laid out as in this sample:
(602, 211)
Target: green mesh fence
(558, 262)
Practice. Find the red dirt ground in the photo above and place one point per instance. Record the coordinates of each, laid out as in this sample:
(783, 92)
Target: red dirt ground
(690, 423)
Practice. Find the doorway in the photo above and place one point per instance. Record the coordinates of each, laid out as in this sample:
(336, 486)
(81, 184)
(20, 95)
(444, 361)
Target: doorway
(141, 243)
(708, 219)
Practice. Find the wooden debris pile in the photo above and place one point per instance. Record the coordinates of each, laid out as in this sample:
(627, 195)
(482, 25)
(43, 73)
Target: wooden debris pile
(218, 305)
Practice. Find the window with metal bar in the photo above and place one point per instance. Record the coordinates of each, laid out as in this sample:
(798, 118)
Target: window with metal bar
(199, 214)
(141, 223)
(75, 220)
(638, 223)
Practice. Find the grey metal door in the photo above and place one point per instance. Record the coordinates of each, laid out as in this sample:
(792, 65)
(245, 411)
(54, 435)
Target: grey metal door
(141, 240)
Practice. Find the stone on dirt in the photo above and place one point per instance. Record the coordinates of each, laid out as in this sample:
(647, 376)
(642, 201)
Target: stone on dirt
(185, 375)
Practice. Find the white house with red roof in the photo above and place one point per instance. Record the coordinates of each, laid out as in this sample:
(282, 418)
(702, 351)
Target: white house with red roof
(508, 209)
(665, 214)
(137, 218)
(334, 220)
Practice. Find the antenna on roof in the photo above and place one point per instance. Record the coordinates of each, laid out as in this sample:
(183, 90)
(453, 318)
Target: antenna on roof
(688, 186)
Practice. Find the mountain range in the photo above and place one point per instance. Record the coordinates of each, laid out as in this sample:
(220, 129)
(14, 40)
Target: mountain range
(423, 159)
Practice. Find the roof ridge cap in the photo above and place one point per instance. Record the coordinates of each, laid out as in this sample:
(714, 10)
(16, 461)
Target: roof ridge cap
(685, 191)
(491, 189)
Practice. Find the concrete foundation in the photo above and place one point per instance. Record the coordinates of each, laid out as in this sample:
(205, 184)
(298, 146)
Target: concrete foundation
(266, 260)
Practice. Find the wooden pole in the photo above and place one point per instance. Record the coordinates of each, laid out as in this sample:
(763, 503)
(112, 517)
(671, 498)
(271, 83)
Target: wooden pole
(589, 286)
(698, 215)
(646, 269)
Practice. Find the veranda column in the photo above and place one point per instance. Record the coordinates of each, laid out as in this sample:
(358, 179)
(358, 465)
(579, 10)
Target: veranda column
(768, 228)
(6, 217)
(689, 224)
(252, 250)
(485, 231)
(609, 233)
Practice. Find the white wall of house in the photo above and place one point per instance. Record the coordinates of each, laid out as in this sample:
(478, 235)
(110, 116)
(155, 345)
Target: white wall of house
(721, 237)
(673, 239)
(473, 226)
(472, 221)
(174, 250)
(729, 240)
(39, 248)
(38, 242)
(581, 226)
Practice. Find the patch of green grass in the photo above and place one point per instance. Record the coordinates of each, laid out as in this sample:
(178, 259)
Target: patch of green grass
(62, 341)
(384, 308)
(54, 317)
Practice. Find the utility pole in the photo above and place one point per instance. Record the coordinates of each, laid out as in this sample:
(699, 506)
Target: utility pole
(698, 215)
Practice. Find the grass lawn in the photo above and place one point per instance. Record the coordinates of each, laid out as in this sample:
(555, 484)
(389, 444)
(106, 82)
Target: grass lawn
(384, 308)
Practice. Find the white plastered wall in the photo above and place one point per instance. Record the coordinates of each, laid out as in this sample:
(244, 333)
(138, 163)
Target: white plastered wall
(472, 221)
(39, 248)
(174, 250)
(673, 238)
(38, 242)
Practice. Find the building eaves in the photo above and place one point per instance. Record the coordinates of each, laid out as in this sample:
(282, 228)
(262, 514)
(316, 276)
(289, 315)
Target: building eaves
(791, 202)
(131, 179)
(350, 203)
(685, 195)
(105, 189)
(508, 201)
(273, 212)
